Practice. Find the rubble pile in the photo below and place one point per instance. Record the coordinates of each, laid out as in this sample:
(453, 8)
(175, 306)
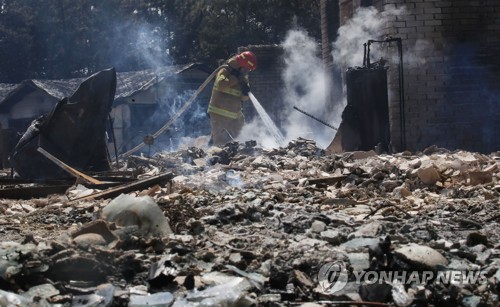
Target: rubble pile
(247, 226)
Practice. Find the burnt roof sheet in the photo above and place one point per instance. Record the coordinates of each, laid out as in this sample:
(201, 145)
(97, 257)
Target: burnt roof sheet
(5, 89)
(128, 83)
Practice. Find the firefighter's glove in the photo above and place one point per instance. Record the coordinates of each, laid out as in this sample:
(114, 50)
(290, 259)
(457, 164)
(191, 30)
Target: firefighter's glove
(245, 89)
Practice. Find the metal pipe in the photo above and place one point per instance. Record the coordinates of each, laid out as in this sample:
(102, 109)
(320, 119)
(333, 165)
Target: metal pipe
(313, 117)
(368, 55)
(114, 139)
(402, 96)
(364, 55)
(402, 119)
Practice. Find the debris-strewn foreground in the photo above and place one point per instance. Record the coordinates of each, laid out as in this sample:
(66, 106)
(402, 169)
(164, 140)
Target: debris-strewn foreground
(248, 226)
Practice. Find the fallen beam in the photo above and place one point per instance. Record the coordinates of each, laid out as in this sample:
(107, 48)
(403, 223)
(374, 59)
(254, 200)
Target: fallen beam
(325, 180)
(6, 181)
(33, 192)
(129, 187)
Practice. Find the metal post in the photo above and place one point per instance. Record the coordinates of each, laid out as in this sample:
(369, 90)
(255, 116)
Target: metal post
(402, 120)
(114, 139)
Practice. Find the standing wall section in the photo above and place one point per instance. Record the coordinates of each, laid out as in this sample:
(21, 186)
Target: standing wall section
(452, 82)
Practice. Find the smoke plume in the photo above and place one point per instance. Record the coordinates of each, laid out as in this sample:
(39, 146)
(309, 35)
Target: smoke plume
(305, 87)
(306, 81)
(306, 84)
(369, 23)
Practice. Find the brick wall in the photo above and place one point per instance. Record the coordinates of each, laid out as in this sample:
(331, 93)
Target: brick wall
(266, 82)
(452, 93)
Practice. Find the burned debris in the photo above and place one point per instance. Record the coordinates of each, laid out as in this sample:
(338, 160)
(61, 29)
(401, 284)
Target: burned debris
(242, 225)
(96, 215)
(73, 132)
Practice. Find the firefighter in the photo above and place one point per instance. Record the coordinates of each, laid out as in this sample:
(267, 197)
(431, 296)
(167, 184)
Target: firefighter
(230, 89)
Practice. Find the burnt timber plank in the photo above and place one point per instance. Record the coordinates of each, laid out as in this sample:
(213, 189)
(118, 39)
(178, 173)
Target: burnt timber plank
(129, 187)
(33, 192)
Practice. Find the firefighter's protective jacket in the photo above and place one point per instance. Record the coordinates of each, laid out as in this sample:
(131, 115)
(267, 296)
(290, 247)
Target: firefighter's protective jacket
(225, 108)
(226, 94)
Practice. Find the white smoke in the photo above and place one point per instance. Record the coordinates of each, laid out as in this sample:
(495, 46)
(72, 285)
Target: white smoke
(306, 84)
(305, 87)
(149, 46)
(306, 80)
(416, 55)
(366, 24)
(256, 130)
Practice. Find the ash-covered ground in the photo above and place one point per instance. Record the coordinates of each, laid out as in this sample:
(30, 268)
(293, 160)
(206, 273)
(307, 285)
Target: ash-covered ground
(244, 226)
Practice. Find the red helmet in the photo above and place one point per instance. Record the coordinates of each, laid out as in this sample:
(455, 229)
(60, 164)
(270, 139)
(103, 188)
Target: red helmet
(247, 59)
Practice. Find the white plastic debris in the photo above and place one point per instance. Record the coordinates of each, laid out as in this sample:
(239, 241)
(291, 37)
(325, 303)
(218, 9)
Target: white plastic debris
(230, 294)
(12, 299)
(140, 211)
(44, 291)
(80, 191)
(158, 299)
(399, 295)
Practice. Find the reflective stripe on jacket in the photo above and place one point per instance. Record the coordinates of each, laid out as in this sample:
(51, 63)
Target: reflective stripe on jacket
(226, 94)
(222, 112)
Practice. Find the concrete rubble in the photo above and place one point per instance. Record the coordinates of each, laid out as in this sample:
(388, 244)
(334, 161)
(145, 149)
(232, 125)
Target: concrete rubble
(246, 226)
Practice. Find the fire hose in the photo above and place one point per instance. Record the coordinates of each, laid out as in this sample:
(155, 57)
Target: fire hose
(176, 115)
(314, 117)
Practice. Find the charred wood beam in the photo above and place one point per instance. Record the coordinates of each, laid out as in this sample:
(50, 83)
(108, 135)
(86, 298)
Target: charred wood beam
(40, 191)
(5, 181)
(129, 187)
(324, 181)
(33, 192)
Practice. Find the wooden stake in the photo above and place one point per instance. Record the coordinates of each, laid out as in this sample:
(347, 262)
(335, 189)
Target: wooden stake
(68, 168)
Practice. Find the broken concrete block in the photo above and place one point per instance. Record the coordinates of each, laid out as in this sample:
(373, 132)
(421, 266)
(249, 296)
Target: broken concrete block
(478, 177)
(357, 155)
(302, 279)
(369, 230)
(94, 233)
(428, 175)
(421, 256)
(401, 192)
(318, 226)
(333, 237)
(89, 240)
